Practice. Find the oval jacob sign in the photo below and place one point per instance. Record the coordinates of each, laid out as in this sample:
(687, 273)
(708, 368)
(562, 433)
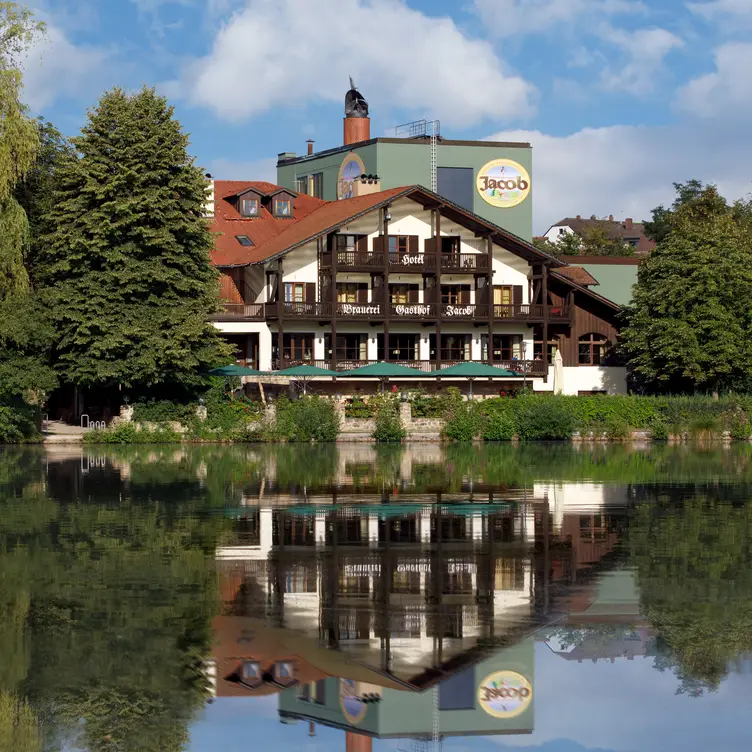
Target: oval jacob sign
(503, 183)
(505, 694)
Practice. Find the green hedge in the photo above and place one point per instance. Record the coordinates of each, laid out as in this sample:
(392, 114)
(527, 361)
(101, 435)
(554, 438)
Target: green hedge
(18, 424)
(305, 419)
(536, 417)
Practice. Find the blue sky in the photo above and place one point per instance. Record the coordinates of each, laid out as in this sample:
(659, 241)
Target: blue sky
(626, 706)
(619, 97)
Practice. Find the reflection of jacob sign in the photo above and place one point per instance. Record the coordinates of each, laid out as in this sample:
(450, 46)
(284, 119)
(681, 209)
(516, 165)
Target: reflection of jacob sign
(353, 707)
(503, 183)
(505, 694)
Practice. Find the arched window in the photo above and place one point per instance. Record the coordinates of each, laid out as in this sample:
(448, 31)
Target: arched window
(593, 349)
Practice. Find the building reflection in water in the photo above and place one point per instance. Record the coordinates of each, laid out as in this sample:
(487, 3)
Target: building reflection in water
(413, 612)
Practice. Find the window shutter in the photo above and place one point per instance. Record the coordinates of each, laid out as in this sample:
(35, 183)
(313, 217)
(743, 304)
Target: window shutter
(517, 295)
(430, 245)
(412, 245)
(412, 294)
(464, 296)
(362, 244)
(362, 294)
(481, 291)
(378, 243)
(310, 292)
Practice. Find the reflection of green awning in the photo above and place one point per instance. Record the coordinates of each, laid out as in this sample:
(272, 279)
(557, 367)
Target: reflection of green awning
(304, 370)
(235, 370)
(384, 510)
(472, 370)
(384, 371)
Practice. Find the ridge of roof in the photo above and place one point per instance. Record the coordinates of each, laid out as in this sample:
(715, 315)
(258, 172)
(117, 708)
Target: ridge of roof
(610, 303)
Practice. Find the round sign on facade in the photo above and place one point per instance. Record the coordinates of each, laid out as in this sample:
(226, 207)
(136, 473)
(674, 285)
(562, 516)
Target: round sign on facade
(350, 170)
(353, 708)
(505, 694)
(503, 183)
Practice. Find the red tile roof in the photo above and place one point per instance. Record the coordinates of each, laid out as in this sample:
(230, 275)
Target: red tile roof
(228, 223)
(578, 274)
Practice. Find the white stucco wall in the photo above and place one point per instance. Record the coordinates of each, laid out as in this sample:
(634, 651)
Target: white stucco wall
(611, 379)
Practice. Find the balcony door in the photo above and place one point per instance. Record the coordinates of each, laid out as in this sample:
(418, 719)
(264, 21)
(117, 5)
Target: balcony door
(300, 297)
(507, 300)
(296, 349)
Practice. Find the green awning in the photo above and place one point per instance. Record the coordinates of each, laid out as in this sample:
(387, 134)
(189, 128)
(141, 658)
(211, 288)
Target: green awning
(384, 371)
(304, 371)
(235, 370)
(471, 370)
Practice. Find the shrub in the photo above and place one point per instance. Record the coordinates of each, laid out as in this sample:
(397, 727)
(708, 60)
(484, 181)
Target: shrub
(130, 433)
(499, 425)
(616, 427)
(357, 407)
(424, 406)
(389, 427)
(705, 427)
(306, 419)
(463, 420)
(541, 418)
(659, 429)
(18, 424)
(162, 411)
(739, 427)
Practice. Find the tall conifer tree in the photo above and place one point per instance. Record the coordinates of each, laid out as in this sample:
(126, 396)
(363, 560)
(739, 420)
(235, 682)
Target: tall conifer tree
(126, 260)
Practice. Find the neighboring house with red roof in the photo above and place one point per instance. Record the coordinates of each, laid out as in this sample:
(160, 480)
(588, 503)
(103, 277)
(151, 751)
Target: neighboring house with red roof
(631, 232)
(401, 275)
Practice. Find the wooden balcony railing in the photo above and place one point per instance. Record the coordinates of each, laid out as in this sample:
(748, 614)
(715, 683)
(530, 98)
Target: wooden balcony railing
(418, 263)
(469, 263)
(248, 311)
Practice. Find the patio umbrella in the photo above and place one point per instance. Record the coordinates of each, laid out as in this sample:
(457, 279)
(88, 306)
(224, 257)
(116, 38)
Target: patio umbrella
(384, 371)
(558, 373)
(304, 374)
(472, 371)
(235, 370)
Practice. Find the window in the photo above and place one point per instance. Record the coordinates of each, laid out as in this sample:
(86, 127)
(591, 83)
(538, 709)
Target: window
(294, 292)
(634, 242)
(398, 245)
(285, 670)
(403, 347)
(455, 294)
(251, 671)
(450, 246)
(352, 292)
(455, 347)
(505, 347)
(592, 350)
(352, 347)
(553, 346)
(244, 240)
(296, 348)
(503, 295)
(403, 293)
(301, 184)
(282, 207)
(249, 207)
(317, 185)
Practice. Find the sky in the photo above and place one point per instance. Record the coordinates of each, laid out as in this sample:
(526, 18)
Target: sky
(619, 98)
(626, 706)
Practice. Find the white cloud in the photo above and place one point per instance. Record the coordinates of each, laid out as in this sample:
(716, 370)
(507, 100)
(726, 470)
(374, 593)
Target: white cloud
(628, 170)
(54, 68)
(723, 10)
(644, 51)
(286, 53)
(727, 92)
(232, 169)
(506, 18)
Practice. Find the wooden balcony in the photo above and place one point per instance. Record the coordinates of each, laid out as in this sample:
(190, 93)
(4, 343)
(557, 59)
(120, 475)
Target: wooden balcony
(407, 263)
(377, 310)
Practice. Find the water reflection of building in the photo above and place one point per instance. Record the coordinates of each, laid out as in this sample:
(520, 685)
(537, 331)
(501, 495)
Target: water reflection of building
(403, 586)
(468, 702)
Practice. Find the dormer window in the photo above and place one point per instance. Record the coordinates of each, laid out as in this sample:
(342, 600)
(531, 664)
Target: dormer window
(285, 670)
(249, 207)
(244, 240)
(282, 207)
(251, 671)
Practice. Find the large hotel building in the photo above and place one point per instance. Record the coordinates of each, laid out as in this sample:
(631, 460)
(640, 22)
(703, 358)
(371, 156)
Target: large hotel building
(350, 260)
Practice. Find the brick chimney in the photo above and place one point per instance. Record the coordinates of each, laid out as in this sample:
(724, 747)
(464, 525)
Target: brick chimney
(357, 124)
(364, 186)
(628, 223)
(358, 743)
(311, 728)
(610, 217)
(310, 143)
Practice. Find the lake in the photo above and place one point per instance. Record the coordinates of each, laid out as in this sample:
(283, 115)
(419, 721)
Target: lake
(557, 598)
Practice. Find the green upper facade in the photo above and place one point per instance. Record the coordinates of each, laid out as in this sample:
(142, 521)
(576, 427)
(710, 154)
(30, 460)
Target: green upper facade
(502, 193)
